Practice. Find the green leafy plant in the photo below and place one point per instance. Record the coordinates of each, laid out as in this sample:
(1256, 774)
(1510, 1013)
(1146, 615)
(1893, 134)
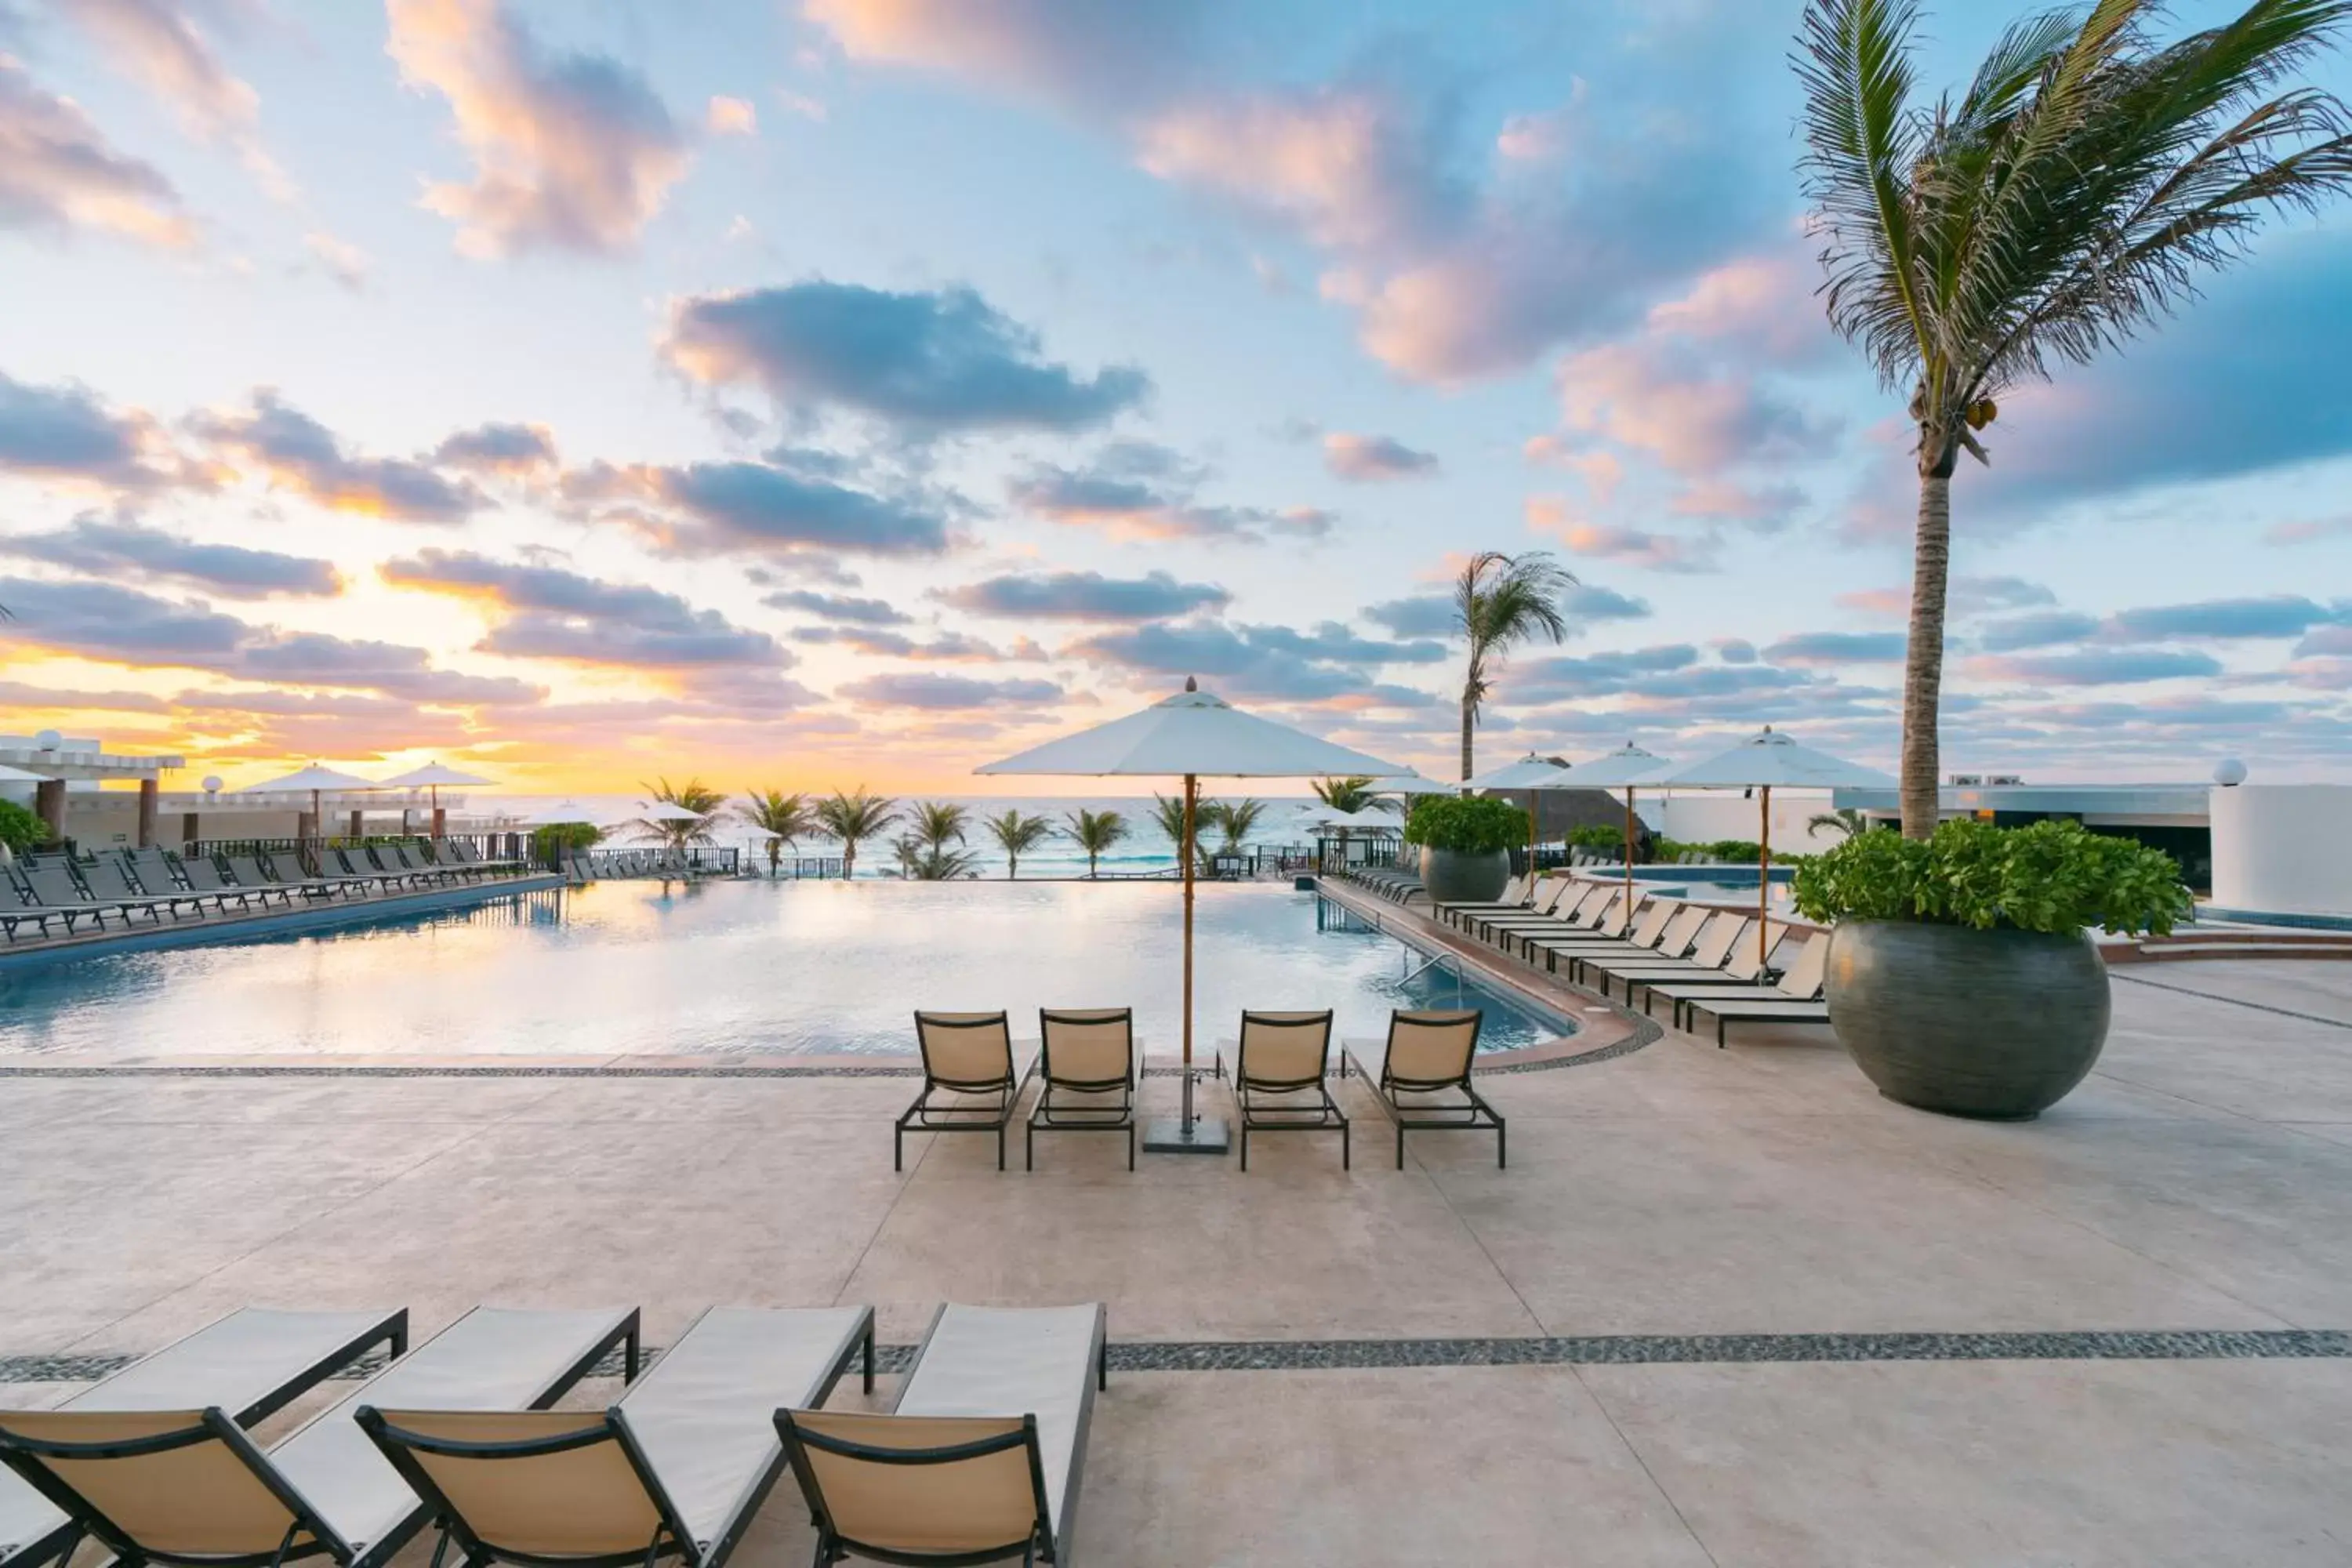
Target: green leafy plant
(1845, 821)
(692, 795)
(1096, 831)
(2048, 877)
(1476, 825)
(852, 818)
(20, 829)
(919, 861)
(1168, 816)
(1596, 835)
(546, 841)
(1500, 602)
(784, 818)
(1234, 819)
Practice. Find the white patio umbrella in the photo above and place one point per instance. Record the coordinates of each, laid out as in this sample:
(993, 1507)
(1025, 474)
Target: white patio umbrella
(1759, 762)
(1412, 785)
(18, 775)
(432, 776)
(1528, 774)
(1625, 766)
(317, 778)
(1187, 735)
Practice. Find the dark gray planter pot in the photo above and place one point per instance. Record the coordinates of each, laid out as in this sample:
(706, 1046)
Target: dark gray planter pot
(1994, 1024)
(1464, 875)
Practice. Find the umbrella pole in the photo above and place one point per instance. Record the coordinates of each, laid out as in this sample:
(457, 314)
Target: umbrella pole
(1629, 846)
(1763, 881)
(1188, 1135)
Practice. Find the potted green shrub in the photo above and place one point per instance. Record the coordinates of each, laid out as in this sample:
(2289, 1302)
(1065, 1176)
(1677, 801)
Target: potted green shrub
(1465, 845)
(1962, 977)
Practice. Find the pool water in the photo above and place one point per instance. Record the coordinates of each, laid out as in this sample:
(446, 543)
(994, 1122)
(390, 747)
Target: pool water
(725, 968)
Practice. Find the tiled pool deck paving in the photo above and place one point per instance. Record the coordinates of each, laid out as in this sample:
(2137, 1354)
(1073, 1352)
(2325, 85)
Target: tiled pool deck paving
(1725, 1306)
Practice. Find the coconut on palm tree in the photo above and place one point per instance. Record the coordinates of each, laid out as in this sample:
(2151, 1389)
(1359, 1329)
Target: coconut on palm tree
(2070, 197)
(1500, 602)
(1096, 831)
(693, 795)
(1017, 835)
(852, 818)
(784, 818)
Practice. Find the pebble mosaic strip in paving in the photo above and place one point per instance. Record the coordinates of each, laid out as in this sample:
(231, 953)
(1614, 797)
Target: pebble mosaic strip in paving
(1599, 1350)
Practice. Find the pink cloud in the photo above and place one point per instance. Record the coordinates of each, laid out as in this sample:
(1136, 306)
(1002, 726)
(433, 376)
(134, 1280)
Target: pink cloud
(1695, 421)
(1625, 546)
(570, 151)
(1731, 501)
(730, 117)
(59, 170)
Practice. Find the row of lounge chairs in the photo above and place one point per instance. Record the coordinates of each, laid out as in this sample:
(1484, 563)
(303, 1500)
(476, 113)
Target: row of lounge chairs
(1282, 1064)
(52, 891)
(978, 1460)
(1700, 958)
(1643, 948)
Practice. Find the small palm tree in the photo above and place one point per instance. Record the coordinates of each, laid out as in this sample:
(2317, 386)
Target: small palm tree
(2068, 199)
(1235, 819)
(1845, 820)
(785, 818)
(692, 795)
(1017, 835)
(1168, 816)
(1096, 831)
(1499, 602)
(1350, 795)
(854, 818)
(938, 823)
(921, 861)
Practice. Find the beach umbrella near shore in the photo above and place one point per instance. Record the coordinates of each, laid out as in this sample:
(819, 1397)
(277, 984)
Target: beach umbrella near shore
(432, 776)
(1761, 762)
(318, 778)
(1626, 766)
(1185, 736)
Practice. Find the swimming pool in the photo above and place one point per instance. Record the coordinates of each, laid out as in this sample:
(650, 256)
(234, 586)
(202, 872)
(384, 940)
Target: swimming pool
(738, 968)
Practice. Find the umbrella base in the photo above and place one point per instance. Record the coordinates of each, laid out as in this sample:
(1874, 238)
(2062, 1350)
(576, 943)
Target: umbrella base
(1169, 1135)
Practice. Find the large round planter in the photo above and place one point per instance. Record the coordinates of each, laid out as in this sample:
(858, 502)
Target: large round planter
(1994, 1024)
(1464, 875)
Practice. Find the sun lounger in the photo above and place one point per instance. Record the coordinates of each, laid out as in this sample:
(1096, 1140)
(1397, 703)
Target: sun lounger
(1708, 953)
(1279, 1066)
(17, 907)
(107, 883)
(203, 875)
(1758, 1011)
(183, 1485)
(963, 1054)
(52, 886)
(407, 859)
(1666, 930)
(678, 1467)
(284, 868)
(159, 879)
(1583, 909)
(982, 1457)
(250, 1365)
(253, 879)
(1420, 1075)
(1515, 896)
(1550, 899)
(1086, 1061)
(1801, 982)
(1604, 919)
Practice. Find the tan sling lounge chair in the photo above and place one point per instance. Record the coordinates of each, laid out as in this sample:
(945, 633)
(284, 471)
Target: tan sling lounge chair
(1420, 1075)
(980, 1459)
(1279, 1068)
(968, 1054)
(1087, 1063)
(250, 1365)
(185, 1487)
(677, 1468)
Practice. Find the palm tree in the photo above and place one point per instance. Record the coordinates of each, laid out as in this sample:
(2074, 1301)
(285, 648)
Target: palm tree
(1499, 602)
(1235, 818)
(785, 818)
(1168, 816)
(2068, 199)
(692, 795)
(1096, 831)
(1845, 820)
(1349, 796)
(1017, 835)
(920, 861)
(938, 823)
(854, 818)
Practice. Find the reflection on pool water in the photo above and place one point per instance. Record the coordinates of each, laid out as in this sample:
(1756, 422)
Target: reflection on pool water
(623, 968)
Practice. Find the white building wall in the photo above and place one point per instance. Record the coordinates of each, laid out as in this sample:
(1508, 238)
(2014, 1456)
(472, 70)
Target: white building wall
(2283, 848)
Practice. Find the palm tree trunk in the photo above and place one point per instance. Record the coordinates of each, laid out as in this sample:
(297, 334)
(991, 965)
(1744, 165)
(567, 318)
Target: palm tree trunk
(848, 859)
(1469, 724)
(1923, 659)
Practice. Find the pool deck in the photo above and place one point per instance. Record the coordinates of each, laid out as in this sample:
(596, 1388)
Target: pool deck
(1725, 1306)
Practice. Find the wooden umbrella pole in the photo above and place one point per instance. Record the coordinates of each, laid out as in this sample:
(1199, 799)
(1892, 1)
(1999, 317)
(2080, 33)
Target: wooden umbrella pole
(1763, 882)
(1191, 799)
(1629, 846)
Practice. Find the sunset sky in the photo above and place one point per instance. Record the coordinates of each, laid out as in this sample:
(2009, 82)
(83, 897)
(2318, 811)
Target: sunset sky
(857, 390)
